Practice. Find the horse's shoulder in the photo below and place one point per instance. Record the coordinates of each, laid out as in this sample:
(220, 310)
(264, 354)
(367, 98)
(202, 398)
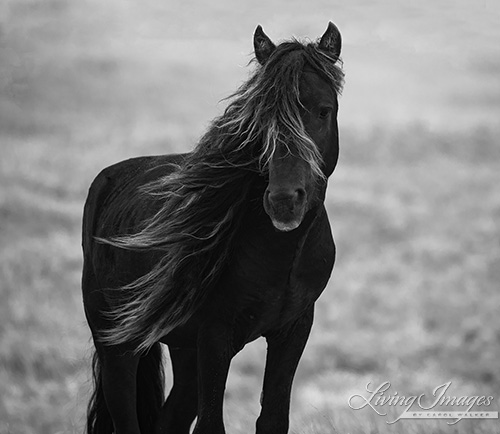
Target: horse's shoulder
(316, 255)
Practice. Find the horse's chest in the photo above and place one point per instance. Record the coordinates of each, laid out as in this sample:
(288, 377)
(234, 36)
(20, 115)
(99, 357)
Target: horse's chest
(271, 284)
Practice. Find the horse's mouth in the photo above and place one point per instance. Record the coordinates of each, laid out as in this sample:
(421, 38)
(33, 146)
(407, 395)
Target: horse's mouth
(286, 226)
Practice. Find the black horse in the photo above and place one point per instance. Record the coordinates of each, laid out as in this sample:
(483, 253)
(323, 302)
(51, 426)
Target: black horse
(209, 250)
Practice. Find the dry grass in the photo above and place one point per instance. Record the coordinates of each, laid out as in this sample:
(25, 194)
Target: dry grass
(414, 204)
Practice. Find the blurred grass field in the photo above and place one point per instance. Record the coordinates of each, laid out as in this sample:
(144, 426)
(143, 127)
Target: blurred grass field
(414, 203)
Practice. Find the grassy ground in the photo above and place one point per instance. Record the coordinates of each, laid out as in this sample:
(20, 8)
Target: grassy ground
(414, 203)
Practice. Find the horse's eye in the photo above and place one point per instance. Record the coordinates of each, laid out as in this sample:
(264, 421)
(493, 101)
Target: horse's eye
(324, 112)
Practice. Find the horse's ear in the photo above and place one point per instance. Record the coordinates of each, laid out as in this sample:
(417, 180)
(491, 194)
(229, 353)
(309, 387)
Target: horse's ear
(262, 45)
(331, 41)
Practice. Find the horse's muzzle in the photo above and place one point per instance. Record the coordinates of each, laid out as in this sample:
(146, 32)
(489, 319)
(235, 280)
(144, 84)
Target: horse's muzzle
(286, 208)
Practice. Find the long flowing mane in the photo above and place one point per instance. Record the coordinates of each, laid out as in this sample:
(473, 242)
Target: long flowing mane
(204, 199)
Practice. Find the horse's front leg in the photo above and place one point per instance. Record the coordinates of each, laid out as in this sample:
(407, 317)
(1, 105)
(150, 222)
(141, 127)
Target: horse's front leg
(215, 351)
(284, 349)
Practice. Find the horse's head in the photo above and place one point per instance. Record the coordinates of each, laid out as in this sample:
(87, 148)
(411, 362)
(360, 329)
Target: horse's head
(302, 134)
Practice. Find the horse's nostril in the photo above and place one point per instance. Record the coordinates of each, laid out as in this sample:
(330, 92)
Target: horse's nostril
(300, 194)
(267, 196)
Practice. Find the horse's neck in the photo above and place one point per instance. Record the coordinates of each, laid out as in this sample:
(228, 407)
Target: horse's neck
(265, 254)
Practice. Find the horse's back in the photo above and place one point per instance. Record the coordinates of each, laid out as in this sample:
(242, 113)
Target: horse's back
(117, 188)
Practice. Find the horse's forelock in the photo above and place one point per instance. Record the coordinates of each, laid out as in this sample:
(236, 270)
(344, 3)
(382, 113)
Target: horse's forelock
(271, 102)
